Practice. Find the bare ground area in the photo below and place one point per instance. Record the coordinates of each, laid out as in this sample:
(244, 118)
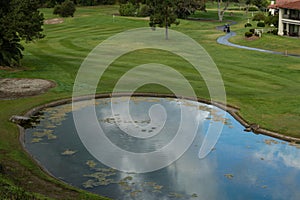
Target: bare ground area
(252, 38)
(11, 88)
(54, 21)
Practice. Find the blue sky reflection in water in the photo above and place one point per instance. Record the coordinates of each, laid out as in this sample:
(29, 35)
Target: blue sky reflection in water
(241, 166)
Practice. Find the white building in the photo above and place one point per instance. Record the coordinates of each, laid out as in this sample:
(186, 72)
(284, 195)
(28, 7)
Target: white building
(271, 9)
(289, 17)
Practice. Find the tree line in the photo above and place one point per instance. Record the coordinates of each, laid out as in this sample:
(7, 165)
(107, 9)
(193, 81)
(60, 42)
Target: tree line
(52, 3)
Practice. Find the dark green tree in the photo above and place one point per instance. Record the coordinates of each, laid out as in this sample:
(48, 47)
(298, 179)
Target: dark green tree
(128, 9)
(162, 14)
(185, 8)
(259, 17)
(261, 4)
(66, 9)
(19, 20)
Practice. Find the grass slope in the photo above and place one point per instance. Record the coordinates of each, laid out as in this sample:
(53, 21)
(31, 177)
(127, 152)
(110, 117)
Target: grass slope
(266, 87)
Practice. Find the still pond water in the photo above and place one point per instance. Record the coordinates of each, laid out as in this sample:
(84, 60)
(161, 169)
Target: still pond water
(240, 166)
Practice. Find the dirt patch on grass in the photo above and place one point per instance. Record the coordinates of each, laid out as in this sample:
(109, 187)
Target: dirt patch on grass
(252, 38)
(54, 21)
(12, 88)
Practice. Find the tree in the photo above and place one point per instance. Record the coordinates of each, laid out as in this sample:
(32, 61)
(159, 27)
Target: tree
(259, 17)
(185, 8)
(261, 4)
(66, 9)
(19, 20)
(221, 12)
(128, 9)
(162, 14)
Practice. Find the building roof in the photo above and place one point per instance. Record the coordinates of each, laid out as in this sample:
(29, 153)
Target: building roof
(288, 4)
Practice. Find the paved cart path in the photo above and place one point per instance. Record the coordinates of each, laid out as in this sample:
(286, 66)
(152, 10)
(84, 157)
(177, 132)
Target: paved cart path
(224, 40)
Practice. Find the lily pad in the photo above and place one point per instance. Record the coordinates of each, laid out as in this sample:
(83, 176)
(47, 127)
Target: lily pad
(68, 152)
(36, 140)
(88, 184)
(91, 163)
(174, 195)
(229, 176)
(194, 195)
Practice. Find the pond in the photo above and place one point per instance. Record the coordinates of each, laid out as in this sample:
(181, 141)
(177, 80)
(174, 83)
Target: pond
(240, 166)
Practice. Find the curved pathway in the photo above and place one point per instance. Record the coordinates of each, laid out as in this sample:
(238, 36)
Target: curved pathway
(224, 40)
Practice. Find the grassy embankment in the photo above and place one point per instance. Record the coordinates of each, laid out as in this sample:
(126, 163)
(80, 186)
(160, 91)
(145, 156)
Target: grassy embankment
(266, 87)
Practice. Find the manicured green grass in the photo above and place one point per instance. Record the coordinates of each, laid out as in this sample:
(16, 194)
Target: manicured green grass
(266, 87)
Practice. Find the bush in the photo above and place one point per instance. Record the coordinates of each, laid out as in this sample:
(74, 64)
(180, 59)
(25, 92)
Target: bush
(272, 20)
(57, 10)
(251, 9)
(259, 17)
(66, 9)
(127, 9)
(248, 34)
(261, 24)
(248, 25)
(144, 11)
(252, 30)
(275, 31)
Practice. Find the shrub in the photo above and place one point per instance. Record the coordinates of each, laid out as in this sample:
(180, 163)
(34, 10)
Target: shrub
(127, 9)
(252, 30)
(259, 17)
(272, 20)
(275, 31)
(248, 25)
(248, 34)
(66, 9)
(253, 9)
(144, 11)
(261, 24)
(57, 10)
